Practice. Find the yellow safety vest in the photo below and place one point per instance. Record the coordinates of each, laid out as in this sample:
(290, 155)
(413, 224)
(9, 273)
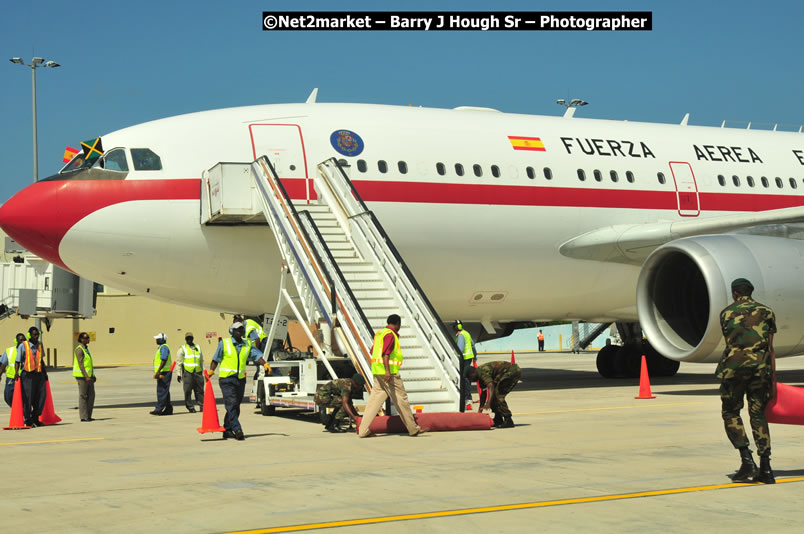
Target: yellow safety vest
(88, 366)
(467, 346)
(252, 325)
(394, 359)
(11, 371)
(192, 358)
(158, 360)
(33, 362)
(234, 362)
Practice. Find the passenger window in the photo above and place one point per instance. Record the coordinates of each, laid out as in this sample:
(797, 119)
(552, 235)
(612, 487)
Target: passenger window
(548, 173)
(441, 169)
(614, 176)
(598, 175)
(793, 183)
(403, 167)
(495, 171)
(115, 160)
(721, 179)
(459, 169)
(581, 175)
(750, 180)
(661, 177)
(764, 181)
(736, 180)
(531, 172)
(361, 165)
(145, 159)
(382, 166)
(629, 176)
(779, 182)
(478, 170)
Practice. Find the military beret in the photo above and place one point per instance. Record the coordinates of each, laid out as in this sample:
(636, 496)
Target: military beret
(741, 282)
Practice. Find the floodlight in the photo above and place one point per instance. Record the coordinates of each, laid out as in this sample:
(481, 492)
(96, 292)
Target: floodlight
(52, 64)
(17, 60)
(38, 60)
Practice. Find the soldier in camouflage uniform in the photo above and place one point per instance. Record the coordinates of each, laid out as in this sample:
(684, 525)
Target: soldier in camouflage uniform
(747, 368)
(499, 378)
(337, 395)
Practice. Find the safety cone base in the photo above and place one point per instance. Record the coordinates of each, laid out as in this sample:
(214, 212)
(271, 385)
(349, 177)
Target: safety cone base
(202, 430)
(645, 397)
(23, 427)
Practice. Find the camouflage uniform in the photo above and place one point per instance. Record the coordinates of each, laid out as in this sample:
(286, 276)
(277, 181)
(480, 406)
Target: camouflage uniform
(504, 376)
(330, 395)
(745, 369)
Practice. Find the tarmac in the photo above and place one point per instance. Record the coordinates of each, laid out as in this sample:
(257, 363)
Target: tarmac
(584, 456)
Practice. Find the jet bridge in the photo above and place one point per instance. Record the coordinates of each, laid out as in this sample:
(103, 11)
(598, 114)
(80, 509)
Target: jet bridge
(341, 270)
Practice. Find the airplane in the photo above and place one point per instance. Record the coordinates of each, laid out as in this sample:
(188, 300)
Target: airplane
(507, 220)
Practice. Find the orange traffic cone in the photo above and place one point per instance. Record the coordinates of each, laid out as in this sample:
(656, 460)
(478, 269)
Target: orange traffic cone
(644, 382)
(48, 416)
(210, 421)
(513, 360)
(17, 420)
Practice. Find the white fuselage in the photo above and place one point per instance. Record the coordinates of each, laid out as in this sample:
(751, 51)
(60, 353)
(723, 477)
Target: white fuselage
(483, 247)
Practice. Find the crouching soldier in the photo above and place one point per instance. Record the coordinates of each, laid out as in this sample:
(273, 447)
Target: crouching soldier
(497, 379)
(337, 395)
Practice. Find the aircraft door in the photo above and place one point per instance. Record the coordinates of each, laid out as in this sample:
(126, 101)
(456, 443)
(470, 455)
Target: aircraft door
(284, 146)
(686, 189)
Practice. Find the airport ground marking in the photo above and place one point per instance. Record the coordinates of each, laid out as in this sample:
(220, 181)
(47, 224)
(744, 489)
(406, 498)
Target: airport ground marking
(49, 441)
(605, 408)
(505, 507)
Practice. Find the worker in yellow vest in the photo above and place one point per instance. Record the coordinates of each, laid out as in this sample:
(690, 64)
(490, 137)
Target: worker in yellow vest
(386, 359)
(7, 361)
(163, 376)
(191, 363)
(30, 366)
(232, 356)
(468, 354)
(84, 373)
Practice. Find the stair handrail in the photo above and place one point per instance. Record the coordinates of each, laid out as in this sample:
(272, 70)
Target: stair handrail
(356, 210)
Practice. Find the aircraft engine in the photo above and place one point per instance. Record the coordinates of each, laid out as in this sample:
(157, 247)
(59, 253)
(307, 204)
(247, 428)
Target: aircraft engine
(684, 285)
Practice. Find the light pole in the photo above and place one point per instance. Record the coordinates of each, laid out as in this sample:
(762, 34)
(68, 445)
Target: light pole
(571, 105)
(35, 64)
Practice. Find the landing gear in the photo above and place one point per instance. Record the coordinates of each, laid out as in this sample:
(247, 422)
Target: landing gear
(615, 361)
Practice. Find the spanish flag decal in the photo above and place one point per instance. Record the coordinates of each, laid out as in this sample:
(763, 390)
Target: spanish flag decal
(69, 153)
(527, 143)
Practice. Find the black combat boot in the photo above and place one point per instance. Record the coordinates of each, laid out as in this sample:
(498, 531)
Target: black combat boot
(747, 469)
(508, 422)
(498, 420)
(333, 425)
(765, 474)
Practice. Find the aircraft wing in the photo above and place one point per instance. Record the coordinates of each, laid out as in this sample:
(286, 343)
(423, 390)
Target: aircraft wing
(631, 244)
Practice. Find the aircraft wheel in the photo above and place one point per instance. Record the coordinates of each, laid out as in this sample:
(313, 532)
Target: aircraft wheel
(629, 360)
(606, 360)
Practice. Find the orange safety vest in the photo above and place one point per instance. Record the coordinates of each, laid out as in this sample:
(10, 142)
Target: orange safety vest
(33, 362)
(541, 336)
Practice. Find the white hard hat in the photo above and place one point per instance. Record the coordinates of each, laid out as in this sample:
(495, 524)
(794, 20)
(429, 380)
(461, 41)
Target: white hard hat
(161, 336)
(236, 325)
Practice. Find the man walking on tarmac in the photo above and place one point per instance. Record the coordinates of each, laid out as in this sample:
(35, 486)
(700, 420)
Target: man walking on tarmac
(467, 348)
(192, 363)
(7, 364)
(386, 359)
(337, 395)
(748, 368)
(232, 354)
(84, 373)
(163, 376)
(498, 379)
(33, 377)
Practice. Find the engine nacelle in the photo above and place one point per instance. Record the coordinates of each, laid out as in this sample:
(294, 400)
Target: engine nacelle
(685, 284)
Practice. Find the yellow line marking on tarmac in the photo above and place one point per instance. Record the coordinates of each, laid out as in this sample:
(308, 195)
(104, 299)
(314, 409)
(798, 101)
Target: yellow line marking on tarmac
(503, 508)
(604, 408)
(49, 441)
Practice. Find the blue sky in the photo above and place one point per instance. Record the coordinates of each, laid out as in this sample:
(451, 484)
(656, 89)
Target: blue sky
(128, 62)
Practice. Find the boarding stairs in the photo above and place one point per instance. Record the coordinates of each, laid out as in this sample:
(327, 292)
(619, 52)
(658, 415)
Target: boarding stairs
(349, 277)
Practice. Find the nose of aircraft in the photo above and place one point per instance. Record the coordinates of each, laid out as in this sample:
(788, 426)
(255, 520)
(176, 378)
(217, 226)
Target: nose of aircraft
(35, 218)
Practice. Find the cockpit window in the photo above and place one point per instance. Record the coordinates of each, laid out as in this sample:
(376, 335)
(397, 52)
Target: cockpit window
(145, 159)
(115, 160)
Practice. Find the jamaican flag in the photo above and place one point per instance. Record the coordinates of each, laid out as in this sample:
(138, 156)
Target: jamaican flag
(92, 148)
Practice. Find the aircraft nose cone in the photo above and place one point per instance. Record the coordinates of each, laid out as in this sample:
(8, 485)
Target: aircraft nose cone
(31, 219)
